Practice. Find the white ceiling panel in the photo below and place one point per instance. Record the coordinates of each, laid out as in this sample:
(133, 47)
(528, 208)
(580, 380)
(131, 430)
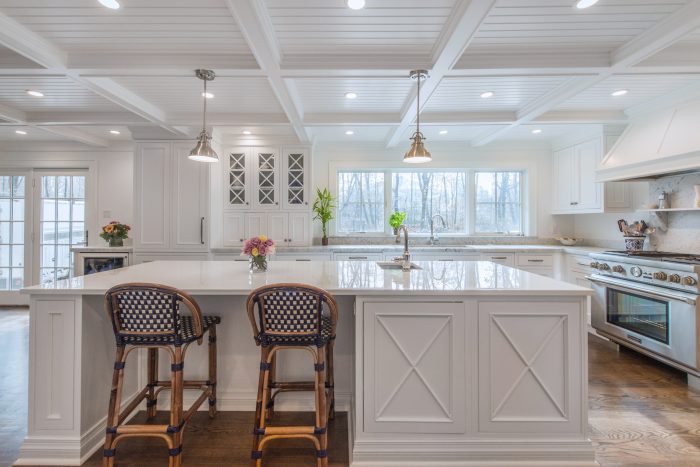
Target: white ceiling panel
(184, 94)
(435, 133)
(383, 26)
(510, 92)
(640, 88)
(538, 25)
(361, 133)
(324, 95)
(7, 133)
(104, 132)
(60, 93)
(139, 26)
(546, 132)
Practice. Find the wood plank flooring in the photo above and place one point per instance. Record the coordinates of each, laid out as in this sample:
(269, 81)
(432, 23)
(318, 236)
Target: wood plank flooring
(641, 414)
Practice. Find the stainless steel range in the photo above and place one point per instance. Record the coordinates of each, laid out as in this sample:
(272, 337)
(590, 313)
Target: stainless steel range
(648, 301)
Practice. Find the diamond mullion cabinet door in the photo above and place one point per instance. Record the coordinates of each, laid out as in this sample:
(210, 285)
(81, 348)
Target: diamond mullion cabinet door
(234, 228)
(299, 229)
(152, 196)
(296, 176)
(266, 163)
(190, 201)
(237, 176)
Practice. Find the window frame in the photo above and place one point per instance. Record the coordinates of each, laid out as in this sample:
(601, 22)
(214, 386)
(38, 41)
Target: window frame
(528, 212)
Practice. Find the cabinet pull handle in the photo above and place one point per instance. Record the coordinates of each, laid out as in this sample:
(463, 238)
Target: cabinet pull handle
(357, 257)
(241, 240)
(247, 202)
(201, 230)
(535, 261)
(499, 257)
(305, 259)
(86, 237)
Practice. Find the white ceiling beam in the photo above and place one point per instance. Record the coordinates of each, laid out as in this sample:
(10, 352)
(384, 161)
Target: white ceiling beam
(673, 28)
(256, 26)
(75, 135)
(29, 44)
(84, 118)
(12, 115)
(466, 19)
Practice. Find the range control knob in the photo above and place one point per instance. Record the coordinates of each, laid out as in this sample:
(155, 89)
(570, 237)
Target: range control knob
(636, 271)
(674, 278)
(594, 264)
(619, 269)
(603, 266)
(660, 275)
(689, 280)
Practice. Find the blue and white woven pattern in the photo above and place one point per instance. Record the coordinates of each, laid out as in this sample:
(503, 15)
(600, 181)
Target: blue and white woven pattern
(147, 310)
(290, 312)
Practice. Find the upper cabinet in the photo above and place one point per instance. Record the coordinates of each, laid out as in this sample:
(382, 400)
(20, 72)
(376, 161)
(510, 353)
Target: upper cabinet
(266, 178)
(237, 179)
(296, 180)
(171, 199)
(574, 188)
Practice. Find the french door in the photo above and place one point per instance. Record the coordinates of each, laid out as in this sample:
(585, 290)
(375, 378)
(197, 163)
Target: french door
(59, 222)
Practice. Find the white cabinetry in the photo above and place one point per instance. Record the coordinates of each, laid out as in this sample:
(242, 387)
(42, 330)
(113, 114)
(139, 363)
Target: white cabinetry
(171, 199)
(507, 259)
(295, 178)
(574, 188)
(286, 229)
(542, 264)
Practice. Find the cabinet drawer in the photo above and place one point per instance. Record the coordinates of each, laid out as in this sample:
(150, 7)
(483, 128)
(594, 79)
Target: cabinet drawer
(357, 256)
(502, 258)
(547, 272)
(535, 260)
(300, 257)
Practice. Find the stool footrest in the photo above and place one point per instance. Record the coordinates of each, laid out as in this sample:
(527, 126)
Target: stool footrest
(288, 430)
(294, 385)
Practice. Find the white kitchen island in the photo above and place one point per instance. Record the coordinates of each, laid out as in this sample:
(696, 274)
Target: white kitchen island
(458, 363)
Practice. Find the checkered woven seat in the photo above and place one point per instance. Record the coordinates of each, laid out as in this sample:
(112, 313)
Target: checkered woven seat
(326, 335)
(187, 331)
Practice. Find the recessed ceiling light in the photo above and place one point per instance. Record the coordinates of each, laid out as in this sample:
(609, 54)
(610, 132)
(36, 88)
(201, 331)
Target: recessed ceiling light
(536, 131)
(619, 92)
(208, 95)
(34, 93)
(355, 4)
(247, 132)
(115, 132)
(350, 95)
(487, 94)
(581, 4)
(20, 132)
(443, 132)
(349, 132)
(111, 4)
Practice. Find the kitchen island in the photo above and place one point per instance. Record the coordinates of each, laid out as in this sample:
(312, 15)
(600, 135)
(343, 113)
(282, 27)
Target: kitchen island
(461, 362)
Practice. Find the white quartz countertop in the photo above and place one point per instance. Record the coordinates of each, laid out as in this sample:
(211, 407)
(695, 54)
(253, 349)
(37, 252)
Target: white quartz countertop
(338, 277)
(475, 249)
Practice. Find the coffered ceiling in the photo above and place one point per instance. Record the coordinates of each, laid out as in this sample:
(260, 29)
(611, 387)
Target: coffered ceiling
(285, 67)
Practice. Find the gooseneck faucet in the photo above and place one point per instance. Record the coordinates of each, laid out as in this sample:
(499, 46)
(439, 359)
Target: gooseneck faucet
(433, 235)
(406, 258)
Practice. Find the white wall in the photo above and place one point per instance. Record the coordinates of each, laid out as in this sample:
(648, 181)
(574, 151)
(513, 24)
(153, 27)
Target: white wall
(536, 158)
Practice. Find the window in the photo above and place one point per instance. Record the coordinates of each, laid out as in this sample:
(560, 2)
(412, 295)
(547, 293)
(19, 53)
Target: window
(423, 194)
(498, 203)
(11, 232)
(360, 202)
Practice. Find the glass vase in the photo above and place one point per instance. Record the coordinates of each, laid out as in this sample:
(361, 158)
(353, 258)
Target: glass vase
(258, 264)
(116, 241)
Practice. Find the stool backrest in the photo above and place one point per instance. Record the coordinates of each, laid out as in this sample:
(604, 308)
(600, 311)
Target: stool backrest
(290, 310)
(149, 311)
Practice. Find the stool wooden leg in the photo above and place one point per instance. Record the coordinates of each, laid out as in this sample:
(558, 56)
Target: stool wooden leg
(176, 371)
(152, 380)
(272, 379)
(321, 408)
(256, 455)
(212, 371)
(330, 379)
(114, 405)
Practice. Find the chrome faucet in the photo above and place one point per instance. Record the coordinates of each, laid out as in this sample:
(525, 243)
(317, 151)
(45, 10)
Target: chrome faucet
(406, 258)
(433, 235)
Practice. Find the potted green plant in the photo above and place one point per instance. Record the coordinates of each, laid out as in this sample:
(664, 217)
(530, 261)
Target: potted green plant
(395, 220)
(323, 209)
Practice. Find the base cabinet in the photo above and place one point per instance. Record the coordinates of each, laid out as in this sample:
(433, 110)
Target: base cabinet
(286, 229)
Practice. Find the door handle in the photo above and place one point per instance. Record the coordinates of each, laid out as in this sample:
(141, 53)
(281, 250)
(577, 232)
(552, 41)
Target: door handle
(535, 261)
(201, 230)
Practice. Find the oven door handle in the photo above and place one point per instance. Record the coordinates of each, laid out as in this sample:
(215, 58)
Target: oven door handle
(659, 293)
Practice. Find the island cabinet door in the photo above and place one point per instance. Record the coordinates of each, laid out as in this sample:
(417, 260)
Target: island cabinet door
(532, 359)
(414, 367)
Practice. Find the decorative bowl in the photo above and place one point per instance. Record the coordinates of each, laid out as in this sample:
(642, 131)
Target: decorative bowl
(568, 241)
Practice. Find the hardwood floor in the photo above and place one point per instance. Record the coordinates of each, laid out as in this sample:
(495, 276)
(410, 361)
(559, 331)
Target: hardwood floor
(641, 414)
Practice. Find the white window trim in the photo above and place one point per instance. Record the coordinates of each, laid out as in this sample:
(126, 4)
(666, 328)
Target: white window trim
(528, 192)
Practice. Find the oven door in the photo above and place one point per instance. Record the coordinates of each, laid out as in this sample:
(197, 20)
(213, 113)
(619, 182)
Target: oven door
(656, 319)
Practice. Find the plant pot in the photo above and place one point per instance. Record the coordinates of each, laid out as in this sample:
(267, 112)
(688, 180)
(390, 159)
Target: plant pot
(633, 244)
(258, 264)
(324, 241)
(115, 241)
(397, 239)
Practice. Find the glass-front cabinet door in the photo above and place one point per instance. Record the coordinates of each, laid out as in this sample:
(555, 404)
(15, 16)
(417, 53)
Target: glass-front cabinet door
(266, 178)
(296, 179)
(237, 179)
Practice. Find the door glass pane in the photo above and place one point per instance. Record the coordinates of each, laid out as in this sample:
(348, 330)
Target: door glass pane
(644, 315)
(11, 231)
(62, 226)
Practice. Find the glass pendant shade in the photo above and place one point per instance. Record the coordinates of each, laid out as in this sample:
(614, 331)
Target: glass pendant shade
(417, 154)
(203, 152)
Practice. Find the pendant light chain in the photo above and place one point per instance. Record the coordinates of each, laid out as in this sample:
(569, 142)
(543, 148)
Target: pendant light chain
(204, 119)
(418, 107)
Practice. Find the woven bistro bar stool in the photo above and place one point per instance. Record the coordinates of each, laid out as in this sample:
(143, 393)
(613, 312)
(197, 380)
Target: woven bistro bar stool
(293, 316)
(149, 316)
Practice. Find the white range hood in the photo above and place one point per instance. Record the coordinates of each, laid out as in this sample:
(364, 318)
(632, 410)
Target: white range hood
(664, 143)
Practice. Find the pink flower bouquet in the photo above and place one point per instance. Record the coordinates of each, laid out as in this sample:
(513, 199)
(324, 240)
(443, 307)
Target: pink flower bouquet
(257, 248)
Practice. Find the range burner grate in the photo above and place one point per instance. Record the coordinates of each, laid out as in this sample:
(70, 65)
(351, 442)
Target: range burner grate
(688, 258)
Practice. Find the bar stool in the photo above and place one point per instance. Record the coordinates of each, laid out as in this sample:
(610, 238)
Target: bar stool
(147, 316)
(293, 316)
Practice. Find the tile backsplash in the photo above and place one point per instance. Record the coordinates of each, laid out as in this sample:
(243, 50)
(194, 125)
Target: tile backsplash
(683, 234)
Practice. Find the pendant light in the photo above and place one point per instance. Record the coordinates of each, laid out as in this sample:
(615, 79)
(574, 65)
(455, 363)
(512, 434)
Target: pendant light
(203, 151)
(417, 154)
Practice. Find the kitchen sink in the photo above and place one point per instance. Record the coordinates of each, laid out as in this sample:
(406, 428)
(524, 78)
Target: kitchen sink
(395, 265)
